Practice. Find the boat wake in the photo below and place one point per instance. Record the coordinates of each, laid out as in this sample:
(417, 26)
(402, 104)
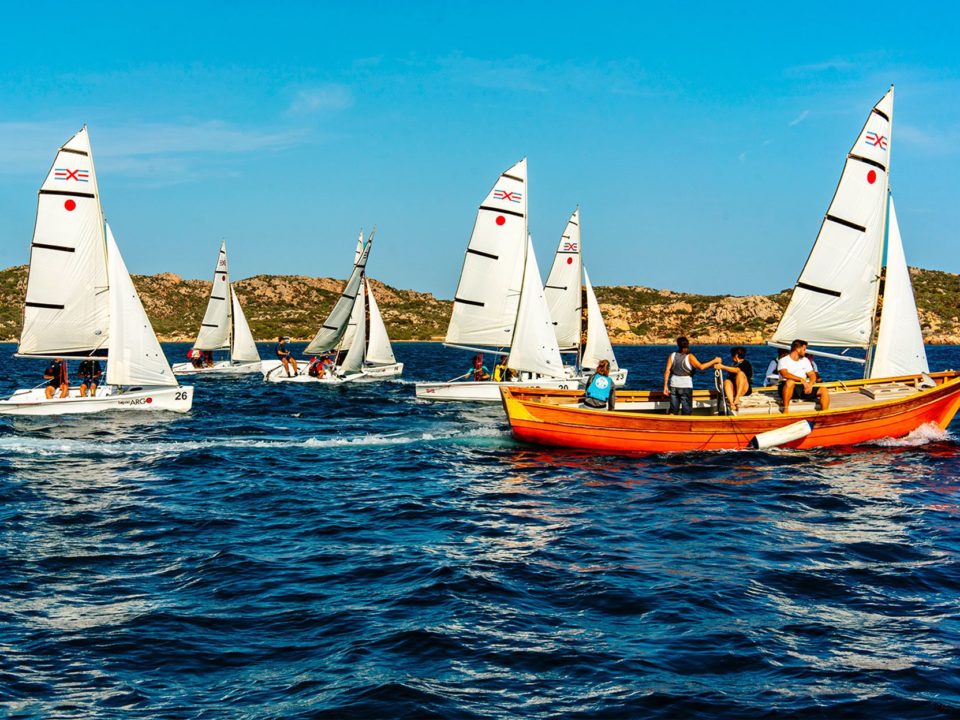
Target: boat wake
(59, 447)
(923, 435)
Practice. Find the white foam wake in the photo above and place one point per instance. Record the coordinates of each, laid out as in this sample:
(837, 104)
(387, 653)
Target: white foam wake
(923, 435)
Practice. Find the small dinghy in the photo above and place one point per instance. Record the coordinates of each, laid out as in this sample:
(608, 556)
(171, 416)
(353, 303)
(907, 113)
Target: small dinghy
(82, 305)
(223, 328)
(353, 338)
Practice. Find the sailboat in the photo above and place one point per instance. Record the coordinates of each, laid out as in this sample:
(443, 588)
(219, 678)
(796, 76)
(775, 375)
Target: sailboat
(834, 304)
(354, 331)
(224, 327)
(82, 305)
(500, 303)
(567, 286)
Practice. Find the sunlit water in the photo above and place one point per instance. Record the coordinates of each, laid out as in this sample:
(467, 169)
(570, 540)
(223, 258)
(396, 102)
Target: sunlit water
(307, 551)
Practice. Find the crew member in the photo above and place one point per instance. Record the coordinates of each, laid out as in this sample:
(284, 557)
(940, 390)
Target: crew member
(286, 358)
(600, 391)
(56, 374)
(89, 373)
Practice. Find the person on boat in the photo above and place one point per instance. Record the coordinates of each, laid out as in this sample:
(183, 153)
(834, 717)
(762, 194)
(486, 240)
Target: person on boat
(56, 375)
(195, 357)
(315, 368)
(501, 373)
(798, 378)
(89, 373)
(328, 364)
(772, 376)
(816, 370)
(286, 357)
(600, 391)
(739, 378)
(479, 372)
(208, 358)
(678, 377)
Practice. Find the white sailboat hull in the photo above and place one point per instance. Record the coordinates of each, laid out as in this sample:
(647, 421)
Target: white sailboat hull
(483, 391)
(35, 402)
(618, 376)
(222, 367)
(272, 371)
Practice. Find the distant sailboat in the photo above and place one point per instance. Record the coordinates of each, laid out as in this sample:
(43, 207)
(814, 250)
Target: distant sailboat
(224, 327)
(500, 306)
(81, 303)
(355, 333)
(567, 285)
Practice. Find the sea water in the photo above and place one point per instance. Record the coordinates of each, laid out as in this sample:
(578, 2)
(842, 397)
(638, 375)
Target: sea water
(307, 551)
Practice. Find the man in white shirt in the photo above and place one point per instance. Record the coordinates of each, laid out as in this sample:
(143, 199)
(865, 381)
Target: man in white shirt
(797, 378)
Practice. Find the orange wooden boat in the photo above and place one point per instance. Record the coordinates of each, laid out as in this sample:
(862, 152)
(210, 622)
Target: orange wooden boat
(860, 411)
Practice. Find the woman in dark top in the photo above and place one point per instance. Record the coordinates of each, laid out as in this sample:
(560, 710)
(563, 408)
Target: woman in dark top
(739, 378)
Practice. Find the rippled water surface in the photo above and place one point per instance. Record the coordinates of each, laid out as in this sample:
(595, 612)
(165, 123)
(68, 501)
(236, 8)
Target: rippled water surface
(350, 552)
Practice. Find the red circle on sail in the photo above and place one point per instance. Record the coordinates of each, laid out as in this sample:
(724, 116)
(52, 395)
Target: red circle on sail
(501, 219)
(872, 177)
(70, 205)
(569, 261)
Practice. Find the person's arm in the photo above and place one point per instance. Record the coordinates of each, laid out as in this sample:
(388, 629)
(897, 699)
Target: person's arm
(666, 376)
(703, 366)
(729, 368)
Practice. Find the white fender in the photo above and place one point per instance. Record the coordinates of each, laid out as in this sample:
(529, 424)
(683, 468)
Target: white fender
(782, 435)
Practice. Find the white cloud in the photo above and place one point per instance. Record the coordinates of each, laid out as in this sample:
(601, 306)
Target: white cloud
(799, 118)
(322, 98)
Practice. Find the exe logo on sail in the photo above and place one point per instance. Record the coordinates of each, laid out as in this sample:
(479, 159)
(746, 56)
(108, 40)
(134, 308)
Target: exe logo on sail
(875, 140)
(511, 195)
(68, 174)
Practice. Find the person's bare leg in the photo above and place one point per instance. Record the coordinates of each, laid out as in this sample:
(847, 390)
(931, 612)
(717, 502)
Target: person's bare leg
(64, 391)
(296, 368)
(787, 395)
(824, 399)
(48, 392)
(93, 389)
(83, 389)
(742, 387)
(728, 393)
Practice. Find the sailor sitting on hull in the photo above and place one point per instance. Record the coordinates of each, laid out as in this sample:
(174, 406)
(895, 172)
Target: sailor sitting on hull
(56, 374)
(600, 391)
(286, 358)
(798, 377)
(89, 373)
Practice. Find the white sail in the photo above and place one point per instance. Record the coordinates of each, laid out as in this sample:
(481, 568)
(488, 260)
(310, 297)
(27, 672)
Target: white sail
(66, 311)
(834, 300)
(353, 362)
(379, 350)
(356, 253)
(215, 327)
(335, 325)
(488, 294)
(598, 345)
(244, 346)
(135, 355)
(346, 342)
(534, 346)
(900, 348)
(563, 286)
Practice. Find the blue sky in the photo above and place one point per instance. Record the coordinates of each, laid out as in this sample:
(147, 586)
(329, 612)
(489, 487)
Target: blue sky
(702, 142)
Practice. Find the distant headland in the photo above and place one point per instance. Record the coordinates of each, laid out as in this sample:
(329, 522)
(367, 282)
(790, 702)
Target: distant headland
(295, 305)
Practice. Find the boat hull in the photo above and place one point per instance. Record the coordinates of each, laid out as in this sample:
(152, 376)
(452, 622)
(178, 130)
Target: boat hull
(555, 419)
(223, 367)
(485, 391)
(618, 376)
(34, 402)
(272, 371)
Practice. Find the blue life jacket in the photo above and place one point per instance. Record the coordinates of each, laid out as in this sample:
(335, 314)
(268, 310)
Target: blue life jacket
(599, 387)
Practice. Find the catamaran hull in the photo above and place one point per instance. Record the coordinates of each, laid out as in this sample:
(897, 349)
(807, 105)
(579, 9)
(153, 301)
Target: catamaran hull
(34, 401)
(485, 391)
(273, 371)
(555, 419)
(223, 367)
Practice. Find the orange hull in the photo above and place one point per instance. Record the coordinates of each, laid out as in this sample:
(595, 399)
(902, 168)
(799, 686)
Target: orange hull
(536, 417)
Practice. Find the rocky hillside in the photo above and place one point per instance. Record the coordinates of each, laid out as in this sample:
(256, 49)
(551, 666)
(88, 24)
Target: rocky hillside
(295, 306)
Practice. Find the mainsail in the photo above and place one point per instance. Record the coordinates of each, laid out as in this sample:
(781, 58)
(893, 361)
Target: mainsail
(598, 345)
(834, 300)
(488, 294)
(66, 312)
(353, 362)
(215, 327)
(535, 347)
(135, 354)
(335, 325)
(900, 348)
(563, 287)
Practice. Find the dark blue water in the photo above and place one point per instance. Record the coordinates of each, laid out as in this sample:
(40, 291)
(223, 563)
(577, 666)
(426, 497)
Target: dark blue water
(312, 552)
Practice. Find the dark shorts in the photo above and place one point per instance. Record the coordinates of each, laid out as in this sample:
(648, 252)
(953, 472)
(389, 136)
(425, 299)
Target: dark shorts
(594, 402)
(799, 394)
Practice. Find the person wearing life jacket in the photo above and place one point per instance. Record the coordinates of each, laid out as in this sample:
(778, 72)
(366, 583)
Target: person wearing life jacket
(479, 371)
(315, 368)
(56, 374)
(600, 391)
(678, 377)
(501, 373)
(89, 373)
(195, 357)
